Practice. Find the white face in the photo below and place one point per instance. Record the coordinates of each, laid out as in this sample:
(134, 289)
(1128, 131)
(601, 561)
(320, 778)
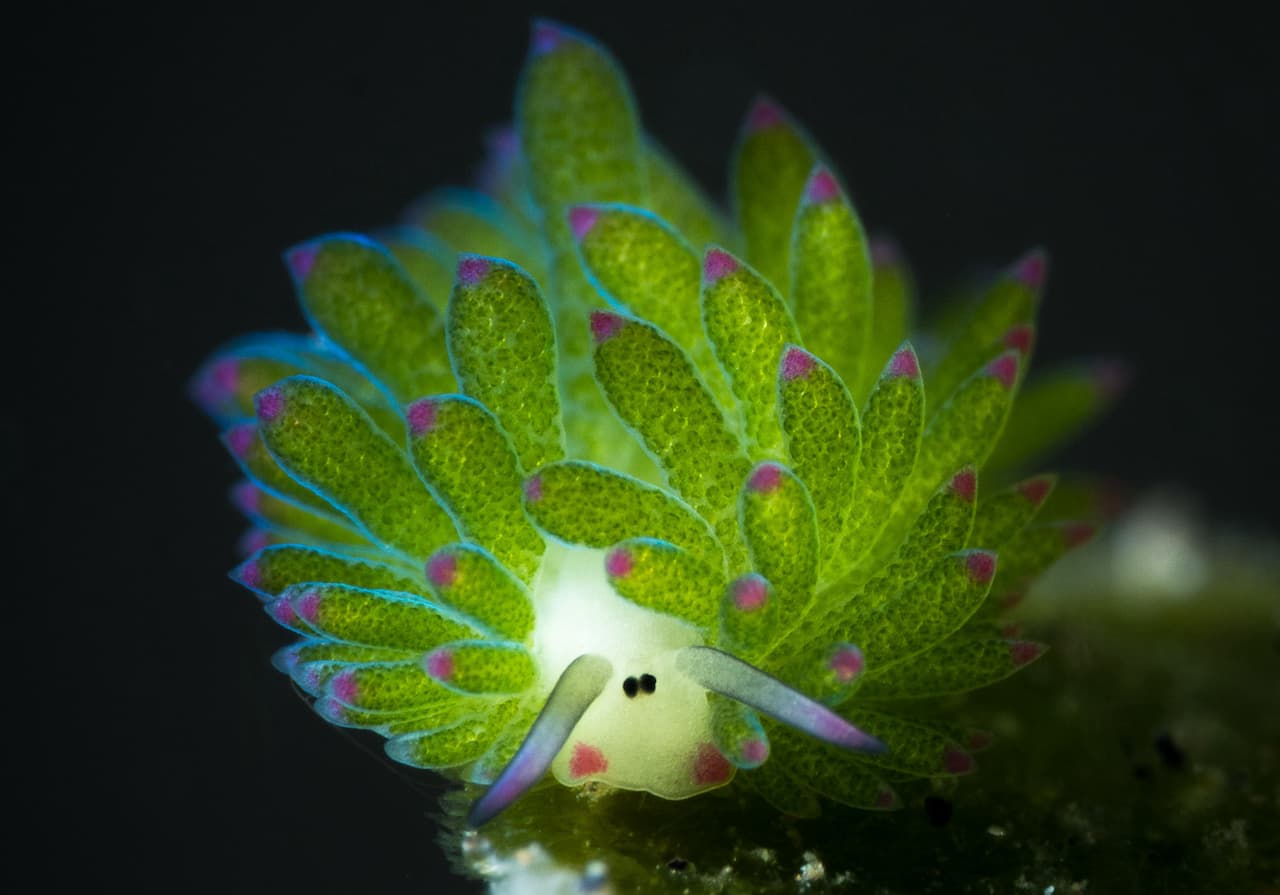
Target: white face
(659, 741)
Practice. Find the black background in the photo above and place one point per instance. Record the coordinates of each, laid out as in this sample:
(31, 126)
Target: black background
(173, 157)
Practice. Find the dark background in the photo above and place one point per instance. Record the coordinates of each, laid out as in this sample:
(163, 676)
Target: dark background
(174, 157)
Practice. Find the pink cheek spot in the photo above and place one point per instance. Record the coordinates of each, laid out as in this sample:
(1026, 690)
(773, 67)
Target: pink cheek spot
(440, 665)
(442, 569)
(766, 479)
(710, 766)
(308, 607)
(1078, 533)
(755, 752)
(764, 114)
(301, 259)
(1036, 490)
(605, 325)
(1020, 338)
(1032, 269)
(421, 416)
(750, 593)
(797, 364)
(822, 187)
(619, 563)
(965, 484)
(269, 403)
(1023, 652)
(240, 439)
(472, 270)
(247, 498)
(717, 265)
(846, 663)
(956, 760)
(581, 219)
(904, 365)
(982, 566)
(585, 761)
(1004, 369)
(886, 799)
(345, 688)
(533, 489)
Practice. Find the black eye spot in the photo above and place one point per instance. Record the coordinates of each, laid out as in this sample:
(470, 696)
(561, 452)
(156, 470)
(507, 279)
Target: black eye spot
(630, 687)
(648, 683)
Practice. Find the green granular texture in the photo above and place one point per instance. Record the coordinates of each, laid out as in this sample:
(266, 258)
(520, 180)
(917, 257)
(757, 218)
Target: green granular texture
(773, 783)
(503, 347)
(582, 503)
(748, 634)
(808, 669)
(915, 748)
(892, 319)
(383, 619)
(471, 222)
(978, 335)
(732, 726)
(486, 591)
(325, 439)
(455, 744)
(1002, 515)
(831, 287)
(957, 665)
(327, 527)
(668, 579)
(361, 297)
(892, 425)
(770, 169)
(653, 387)
(490, 668)
(280, 566)
(649, 269)
(505, 745)
(827, 771)
(1052, 407)
(427, 260)
(749, 325)
(935, 604)
(678, 199)
(260, 466)
(442, 715)
(329, 651)
(469, 462)
(1034, 549)
(393, 686)
(823, 439)
(781, 532)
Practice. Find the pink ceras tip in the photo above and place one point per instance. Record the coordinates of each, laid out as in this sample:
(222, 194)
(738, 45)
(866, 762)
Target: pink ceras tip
(422, 417)
(846, 663)
(764, 114)
(956, 760)
(982, 566)
(822, 187)
(886, 798)
(217, 383)
(308, 607)
(442, 569)
(605, 325)
(885, 253)
(750, 593)
(533, 489)
(718, 264)
(797, 364)
(247, 498)
(766, 479)
(1004, 369)
(755, 751)
(300, 259)
(240, 439)
(904, 365)
(581, 219)
(1031, 269)
(547, 37)
(440, 664)
(1036, 490)
(965, 484)
(344, 687)
(619, 563)
(249, 574)
(269, 403)
(1022, 652)
(472, 270)
(1078, 533)
(1020, 338)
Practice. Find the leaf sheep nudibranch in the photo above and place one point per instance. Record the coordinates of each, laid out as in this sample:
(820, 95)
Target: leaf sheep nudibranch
(577, 473)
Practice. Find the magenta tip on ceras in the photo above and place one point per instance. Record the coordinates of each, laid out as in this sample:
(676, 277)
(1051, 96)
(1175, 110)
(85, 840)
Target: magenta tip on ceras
(269, 403)
(421, 416)
(797, 364)
(904, 364)
(718, 264)
(442, 569)
(301, 259)
(765, 478)
(765, 113)
(619, 562)
(822, 187)
(472, 269)
(605, 325)
(1004, 369)
(582, 218)
(965, 484)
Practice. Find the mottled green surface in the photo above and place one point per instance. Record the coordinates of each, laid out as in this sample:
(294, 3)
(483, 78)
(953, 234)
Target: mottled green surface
(458, 743)
(781, 531)
(483, 668)
(663, 577)
(272, 569)
(471, 580)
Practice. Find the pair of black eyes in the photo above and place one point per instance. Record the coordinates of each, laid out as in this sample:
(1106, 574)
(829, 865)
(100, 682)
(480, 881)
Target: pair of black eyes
(646, 682)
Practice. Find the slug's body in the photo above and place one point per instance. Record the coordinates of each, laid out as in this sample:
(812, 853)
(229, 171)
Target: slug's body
(575, 475)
